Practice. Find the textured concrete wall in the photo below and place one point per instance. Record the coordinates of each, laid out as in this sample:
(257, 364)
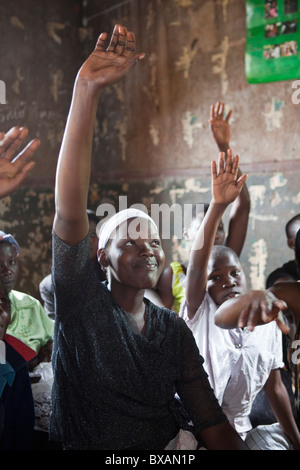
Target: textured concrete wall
(152, 139)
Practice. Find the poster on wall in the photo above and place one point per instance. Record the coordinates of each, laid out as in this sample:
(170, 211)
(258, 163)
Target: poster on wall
(272, 46)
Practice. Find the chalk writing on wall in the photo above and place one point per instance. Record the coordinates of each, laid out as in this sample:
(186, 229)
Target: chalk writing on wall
(273, 114)
(258, 261)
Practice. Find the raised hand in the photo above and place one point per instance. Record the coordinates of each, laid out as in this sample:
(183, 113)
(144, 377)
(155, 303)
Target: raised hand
(219, 126)
(105, 65)
(225, 185)
(263, 307)
(15, 168)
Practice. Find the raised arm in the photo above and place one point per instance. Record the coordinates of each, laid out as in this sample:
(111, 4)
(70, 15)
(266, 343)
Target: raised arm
(258, 307)
(105, 65)
(220, 126)
(280, 403)
(239, 213)
(288, 292)
(251, 309)
(225, 188)
(14, 168)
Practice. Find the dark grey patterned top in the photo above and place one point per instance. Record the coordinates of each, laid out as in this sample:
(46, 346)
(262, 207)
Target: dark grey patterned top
(114, 387)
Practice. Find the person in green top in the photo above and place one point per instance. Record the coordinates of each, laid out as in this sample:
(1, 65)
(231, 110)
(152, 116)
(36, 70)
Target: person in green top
(29, 321)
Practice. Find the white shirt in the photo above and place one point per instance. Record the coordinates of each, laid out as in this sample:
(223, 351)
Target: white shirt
(237, 361)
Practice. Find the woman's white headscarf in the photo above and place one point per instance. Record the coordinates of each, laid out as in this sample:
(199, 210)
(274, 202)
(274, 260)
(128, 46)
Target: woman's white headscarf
(110, 226)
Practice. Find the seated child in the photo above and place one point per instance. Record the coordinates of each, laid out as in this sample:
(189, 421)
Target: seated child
(16, 401)
(29, 322)
(239, 363)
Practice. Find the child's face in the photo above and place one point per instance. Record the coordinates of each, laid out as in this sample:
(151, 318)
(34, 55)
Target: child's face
(220, 235)
(9, 266)
(225, 278)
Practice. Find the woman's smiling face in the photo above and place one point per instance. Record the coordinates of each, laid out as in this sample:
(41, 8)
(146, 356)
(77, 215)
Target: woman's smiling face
(134, 255)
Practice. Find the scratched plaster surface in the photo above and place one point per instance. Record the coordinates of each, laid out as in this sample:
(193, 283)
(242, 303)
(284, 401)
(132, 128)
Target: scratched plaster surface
(41, 48)
(274, 200)
(151, 125)
(156, 118)
(28, 216)
(194, 57)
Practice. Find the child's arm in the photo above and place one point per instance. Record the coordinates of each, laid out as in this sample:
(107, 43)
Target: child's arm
(238, 221)
(104, 66)
(239, 213)
(289, 292)
(220, 127)
(225, 188)
(259, 307)
(281, 407)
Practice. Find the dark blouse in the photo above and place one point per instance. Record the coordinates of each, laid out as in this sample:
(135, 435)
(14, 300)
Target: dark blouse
(114, 387)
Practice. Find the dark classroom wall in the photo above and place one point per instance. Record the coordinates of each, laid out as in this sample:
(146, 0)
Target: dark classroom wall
(152, 139)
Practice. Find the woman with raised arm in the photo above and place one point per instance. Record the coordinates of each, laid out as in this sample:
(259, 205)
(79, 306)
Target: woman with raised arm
(118, 359)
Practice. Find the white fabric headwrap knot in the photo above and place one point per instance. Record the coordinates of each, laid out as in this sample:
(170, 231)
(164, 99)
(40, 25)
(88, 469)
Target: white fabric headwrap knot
(113, 222)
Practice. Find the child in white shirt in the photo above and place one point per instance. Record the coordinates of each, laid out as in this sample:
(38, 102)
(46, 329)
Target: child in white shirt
(240, 362)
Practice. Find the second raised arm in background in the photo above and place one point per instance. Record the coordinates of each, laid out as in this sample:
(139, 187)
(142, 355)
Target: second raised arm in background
(225, 189)
(14, 168)
(239, 213)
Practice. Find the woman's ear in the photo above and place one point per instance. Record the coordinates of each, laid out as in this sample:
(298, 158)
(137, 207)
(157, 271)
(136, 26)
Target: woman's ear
(102, 257)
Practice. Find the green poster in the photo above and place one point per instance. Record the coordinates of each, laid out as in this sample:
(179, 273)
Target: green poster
(272, 47)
